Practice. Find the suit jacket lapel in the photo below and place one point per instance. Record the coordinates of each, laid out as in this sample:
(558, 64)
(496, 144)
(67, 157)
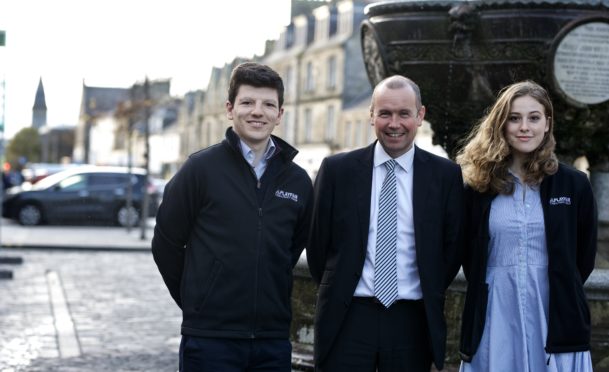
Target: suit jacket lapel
(421, 181)
(363, 187)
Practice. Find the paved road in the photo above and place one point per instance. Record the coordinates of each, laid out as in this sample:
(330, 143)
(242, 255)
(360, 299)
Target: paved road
(86, 311)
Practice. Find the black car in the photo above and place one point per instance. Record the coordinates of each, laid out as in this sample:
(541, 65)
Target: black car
(83, 194)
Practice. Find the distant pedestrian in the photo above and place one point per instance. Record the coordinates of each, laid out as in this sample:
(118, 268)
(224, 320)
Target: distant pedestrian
(232, 225)
(531, 234)
(6, 181)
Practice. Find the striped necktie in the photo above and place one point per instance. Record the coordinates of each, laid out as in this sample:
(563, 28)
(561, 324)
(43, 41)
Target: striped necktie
(385, 266)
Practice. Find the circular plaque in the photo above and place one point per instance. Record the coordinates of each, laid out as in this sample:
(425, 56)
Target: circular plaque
(581, 62)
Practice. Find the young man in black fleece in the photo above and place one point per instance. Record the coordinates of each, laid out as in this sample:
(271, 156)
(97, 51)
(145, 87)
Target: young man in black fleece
(232, 225)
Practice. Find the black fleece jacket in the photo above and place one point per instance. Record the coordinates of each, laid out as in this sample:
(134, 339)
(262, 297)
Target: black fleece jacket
(570, 219)
(226, 244)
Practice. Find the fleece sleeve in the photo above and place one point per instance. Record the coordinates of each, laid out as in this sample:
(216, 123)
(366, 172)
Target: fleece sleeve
(174, 221)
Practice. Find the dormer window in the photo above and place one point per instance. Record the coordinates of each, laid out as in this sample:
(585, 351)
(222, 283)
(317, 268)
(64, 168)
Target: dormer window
(300, 30)
(322, 23)
(345, 18)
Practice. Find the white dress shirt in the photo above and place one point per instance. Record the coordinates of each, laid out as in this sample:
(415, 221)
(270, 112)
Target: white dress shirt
(250, 156)
(409, 283)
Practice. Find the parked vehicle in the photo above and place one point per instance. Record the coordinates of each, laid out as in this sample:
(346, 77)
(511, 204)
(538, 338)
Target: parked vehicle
(85, 194)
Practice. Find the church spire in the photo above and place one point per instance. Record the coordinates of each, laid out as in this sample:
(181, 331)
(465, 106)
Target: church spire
(39, 111)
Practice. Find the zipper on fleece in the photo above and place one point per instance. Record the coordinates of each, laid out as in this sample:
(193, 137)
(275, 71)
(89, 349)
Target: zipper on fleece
(256, 276)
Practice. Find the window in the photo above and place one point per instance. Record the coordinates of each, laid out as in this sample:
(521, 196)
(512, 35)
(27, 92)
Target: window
(331, 81)
(73, 183)
(331, 125)
(369, 134)
(289, 80)
(308, 125)
(359, 133)
(348, 143)
(288, 127)
(309, 82)
(105, 179)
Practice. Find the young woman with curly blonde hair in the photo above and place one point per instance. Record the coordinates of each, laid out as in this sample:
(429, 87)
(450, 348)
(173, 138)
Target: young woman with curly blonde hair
(531, 242)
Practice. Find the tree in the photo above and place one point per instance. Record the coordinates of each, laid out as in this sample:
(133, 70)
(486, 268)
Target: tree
(24, 147)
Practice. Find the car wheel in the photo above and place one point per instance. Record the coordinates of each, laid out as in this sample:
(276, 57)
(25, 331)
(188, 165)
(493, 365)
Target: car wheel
(128, 216)
(29, 215)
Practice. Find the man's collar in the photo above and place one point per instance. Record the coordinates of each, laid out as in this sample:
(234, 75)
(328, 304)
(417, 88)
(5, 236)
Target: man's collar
(249, 153)
(405, 160)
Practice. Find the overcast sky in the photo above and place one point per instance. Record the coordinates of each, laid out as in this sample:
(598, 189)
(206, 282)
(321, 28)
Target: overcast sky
(115, 43)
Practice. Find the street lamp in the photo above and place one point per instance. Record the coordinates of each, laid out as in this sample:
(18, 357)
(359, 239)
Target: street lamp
(146, 198)
(137, 108)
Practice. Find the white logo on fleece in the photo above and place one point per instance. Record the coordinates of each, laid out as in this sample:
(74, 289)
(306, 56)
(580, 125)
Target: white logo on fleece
(286, 195)
(560, 200)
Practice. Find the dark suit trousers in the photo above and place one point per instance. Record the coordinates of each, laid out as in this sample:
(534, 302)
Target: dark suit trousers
(375, 338)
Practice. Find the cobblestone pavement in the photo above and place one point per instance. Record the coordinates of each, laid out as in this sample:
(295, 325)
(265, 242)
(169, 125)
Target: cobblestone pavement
(119, 316)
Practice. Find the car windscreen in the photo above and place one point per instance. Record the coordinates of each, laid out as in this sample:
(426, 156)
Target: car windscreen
(50, 181)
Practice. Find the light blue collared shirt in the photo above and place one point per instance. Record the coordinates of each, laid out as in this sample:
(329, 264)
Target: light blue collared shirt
(409, 282)
(249, 156)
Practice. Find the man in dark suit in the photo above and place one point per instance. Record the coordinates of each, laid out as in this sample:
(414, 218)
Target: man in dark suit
(382, 279)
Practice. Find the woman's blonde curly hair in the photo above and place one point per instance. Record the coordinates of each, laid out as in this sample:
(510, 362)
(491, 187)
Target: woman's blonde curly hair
(486, 156)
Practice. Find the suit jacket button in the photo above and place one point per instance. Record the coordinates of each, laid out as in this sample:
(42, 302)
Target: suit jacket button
(346, 303)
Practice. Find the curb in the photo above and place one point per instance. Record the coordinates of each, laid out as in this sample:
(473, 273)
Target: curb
(16, 247)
